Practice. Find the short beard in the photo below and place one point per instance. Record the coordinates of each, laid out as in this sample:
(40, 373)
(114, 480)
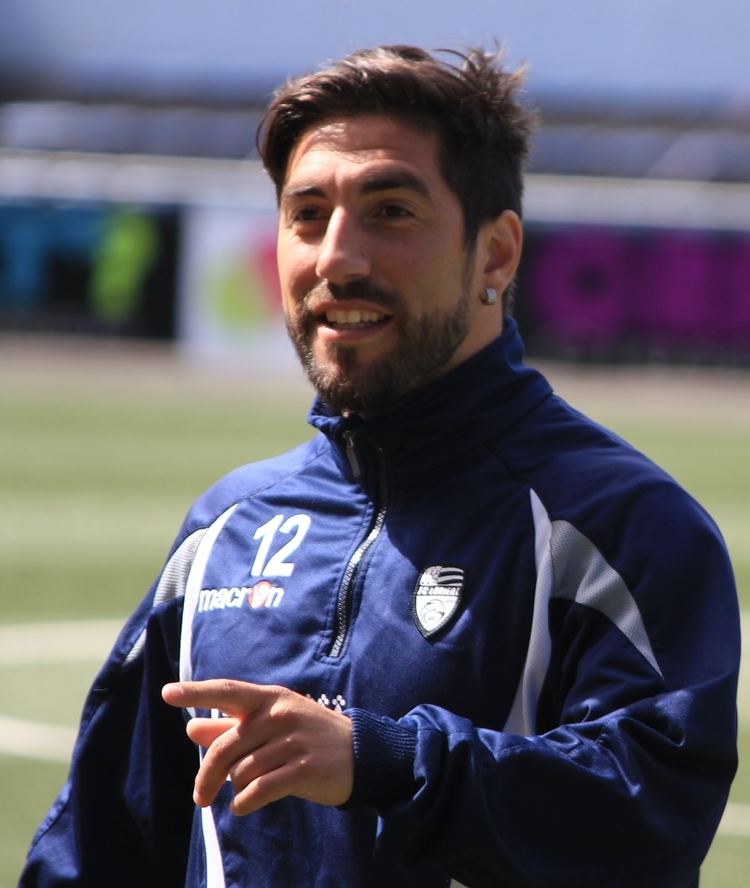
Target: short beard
(424, 349)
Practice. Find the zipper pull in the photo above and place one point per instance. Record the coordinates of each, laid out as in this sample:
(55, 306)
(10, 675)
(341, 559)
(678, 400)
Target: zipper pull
(351, 454)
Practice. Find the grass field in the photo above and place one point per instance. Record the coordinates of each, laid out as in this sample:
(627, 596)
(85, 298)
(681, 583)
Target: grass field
(107, 443)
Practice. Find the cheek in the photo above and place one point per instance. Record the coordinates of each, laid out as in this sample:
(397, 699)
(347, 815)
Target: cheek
(439, 280)
(295, 266)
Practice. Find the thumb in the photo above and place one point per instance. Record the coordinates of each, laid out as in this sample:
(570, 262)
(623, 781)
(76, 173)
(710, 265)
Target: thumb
(203, 731)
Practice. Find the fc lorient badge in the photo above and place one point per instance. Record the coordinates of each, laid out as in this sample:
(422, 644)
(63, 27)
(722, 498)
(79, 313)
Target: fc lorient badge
(436, 598)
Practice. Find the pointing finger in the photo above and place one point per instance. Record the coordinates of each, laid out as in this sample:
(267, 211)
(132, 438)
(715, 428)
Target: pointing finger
(237, 698)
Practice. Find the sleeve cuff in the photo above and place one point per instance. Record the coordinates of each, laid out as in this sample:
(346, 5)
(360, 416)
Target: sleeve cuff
(384, 752)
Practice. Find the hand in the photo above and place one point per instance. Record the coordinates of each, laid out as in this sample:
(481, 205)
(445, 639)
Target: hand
(275, 743)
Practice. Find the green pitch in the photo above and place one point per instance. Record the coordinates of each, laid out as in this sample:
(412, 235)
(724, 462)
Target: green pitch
(113, 446)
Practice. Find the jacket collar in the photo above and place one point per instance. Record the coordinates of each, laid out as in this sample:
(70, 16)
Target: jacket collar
(475, 402)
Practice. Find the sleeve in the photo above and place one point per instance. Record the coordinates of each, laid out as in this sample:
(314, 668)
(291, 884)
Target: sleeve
(625, 776)
(118, 819)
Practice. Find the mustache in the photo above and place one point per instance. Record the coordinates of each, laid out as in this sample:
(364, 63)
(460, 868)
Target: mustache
(362, 288)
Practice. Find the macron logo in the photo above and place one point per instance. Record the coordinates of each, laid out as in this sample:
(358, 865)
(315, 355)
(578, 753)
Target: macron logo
(262, 594)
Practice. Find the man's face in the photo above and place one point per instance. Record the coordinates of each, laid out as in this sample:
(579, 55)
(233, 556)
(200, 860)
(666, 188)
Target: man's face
(379, 292)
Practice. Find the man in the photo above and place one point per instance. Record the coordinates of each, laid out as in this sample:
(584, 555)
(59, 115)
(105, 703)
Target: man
(464, 635)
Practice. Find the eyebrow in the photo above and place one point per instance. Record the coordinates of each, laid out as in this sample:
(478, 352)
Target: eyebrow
(395, 181)
(377, 182)
(301, 191)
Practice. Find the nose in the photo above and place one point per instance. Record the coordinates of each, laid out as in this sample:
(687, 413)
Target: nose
(342, 254)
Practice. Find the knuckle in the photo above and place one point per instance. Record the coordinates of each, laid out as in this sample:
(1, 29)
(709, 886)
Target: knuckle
(304, 767)
(227, 686)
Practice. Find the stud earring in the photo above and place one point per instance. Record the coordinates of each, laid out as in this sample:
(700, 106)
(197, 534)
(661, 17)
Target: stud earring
(488, 296)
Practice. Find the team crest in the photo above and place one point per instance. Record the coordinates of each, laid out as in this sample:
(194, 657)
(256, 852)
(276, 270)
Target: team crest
(436, 598)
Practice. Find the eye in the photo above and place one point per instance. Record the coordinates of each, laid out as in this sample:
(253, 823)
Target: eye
(307, 214)
(394, 211)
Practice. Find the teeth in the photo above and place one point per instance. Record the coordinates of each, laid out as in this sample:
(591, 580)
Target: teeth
(353, 316)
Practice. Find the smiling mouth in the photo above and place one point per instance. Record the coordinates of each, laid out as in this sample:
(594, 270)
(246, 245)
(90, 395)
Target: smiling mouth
(353, 318)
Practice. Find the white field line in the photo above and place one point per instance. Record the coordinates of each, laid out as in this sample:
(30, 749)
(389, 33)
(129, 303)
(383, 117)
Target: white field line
(65, 641)
(35, 740)
(736, 820)
(90, 640)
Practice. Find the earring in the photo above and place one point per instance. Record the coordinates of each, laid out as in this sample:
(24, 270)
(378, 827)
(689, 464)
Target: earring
(488, 296)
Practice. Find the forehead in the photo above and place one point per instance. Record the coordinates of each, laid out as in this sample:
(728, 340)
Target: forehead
(364, 142)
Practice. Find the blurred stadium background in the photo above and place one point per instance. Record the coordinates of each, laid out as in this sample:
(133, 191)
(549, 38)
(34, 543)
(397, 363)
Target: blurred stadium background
(141, 346)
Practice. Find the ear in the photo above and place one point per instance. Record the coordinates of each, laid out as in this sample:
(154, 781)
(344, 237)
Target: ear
(502, 241)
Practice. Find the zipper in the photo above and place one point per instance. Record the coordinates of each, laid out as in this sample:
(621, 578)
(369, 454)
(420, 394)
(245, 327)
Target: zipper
(351, 454)
(343, 603)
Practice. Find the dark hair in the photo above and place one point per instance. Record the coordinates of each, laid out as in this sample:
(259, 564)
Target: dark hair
(482, 128)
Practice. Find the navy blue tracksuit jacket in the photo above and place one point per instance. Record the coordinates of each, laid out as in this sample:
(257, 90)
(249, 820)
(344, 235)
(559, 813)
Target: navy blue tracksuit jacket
(533, 629)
